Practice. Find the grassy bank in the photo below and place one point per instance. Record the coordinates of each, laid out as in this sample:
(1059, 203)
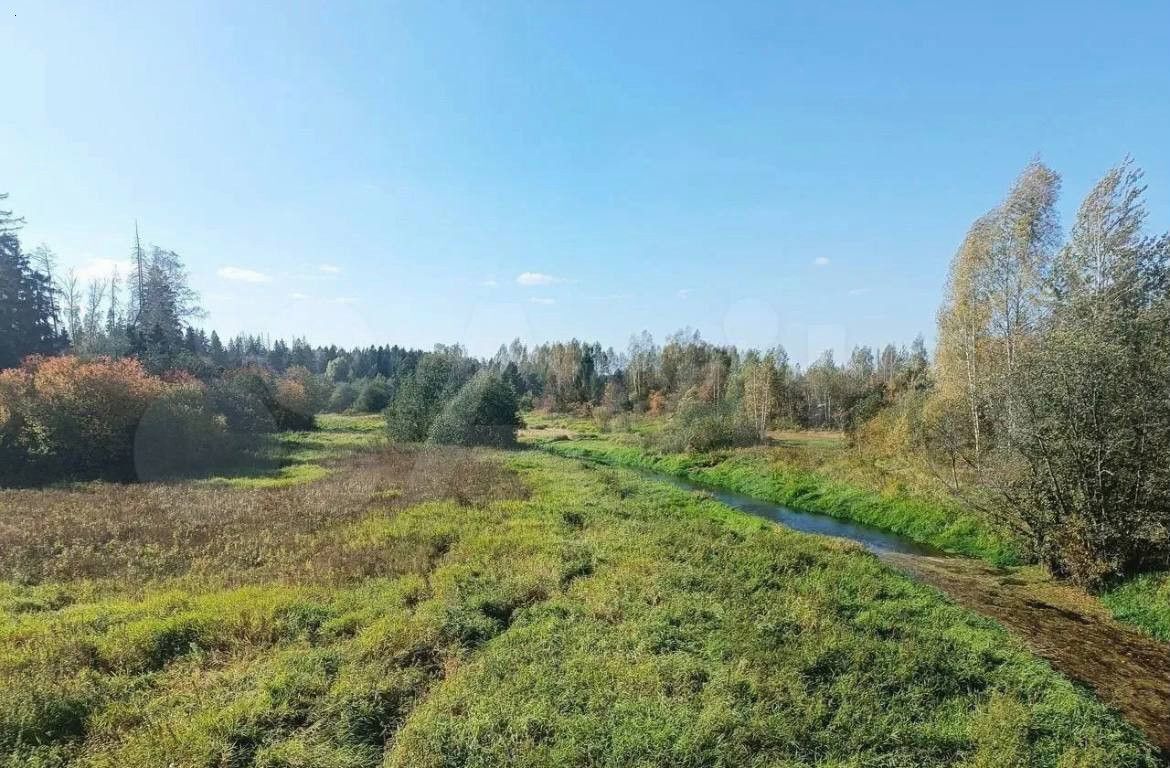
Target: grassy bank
(817, 472)
(1143, 601)
(756, 473)
(439, 608)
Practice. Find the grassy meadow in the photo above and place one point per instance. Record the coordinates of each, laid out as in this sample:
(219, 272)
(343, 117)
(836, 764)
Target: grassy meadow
(402, 606)
(818, 472)
(810, 472)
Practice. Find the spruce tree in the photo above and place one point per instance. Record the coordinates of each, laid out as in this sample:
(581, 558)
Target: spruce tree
(28, 316)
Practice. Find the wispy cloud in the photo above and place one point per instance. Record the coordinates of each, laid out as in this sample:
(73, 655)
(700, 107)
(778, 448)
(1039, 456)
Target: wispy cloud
(345, 300)
(684, 293)
(821, 261)
(858, 291)
(298, 296)
(537, 278)
(241, 275)
(330, 269)
(101, 269)
(542, 300)
(489, 283)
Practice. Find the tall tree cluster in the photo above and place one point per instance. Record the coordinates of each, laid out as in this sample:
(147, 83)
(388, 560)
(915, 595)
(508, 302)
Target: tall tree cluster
(1053, 372)
(29, 323)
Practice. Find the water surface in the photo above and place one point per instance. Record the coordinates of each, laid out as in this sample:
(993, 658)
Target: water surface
(875, 540)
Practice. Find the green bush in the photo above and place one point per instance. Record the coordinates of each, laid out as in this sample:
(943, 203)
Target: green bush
(181, 435)
(343, 397)
(422, 396)
(284, 399)
(374, 396)
(484, 412)
(699, 426)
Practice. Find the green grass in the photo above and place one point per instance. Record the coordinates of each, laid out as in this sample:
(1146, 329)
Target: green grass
(295, 458)
(755, 473)
(1143, 601)
(603, 619)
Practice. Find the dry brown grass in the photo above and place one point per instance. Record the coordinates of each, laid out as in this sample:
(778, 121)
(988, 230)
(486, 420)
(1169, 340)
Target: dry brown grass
(136, 534)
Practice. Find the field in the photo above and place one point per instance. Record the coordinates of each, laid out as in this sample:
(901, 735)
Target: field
(367, 605)
(808, 471)
(818, 472)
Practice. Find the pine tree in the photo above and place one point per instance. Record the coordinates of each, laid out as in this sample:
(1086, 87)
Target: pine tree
(215, 349)
(28, 319)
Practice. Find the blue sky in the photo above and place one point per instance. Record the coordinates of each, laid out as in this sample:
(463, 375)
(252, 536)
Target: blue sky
(386, 172)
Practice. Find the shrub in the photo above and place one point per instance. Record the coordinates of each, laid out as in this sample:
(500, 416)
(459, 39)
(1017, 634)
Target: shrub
(64, 417)
(244, 413)
(343, 397)
(284, 399)
(183, 434)
(317, 389)
(291, 394)
(484, 412)
(67, 418)
(421, 397)
(700, 426)
(374, 396)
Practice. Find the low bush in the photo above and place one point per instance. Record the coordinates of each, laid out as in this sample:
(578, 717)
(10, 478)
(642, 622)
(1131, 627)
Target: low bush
(342, 398)
(285, 399)
(374, 396)
(700, 426)
(65, 418)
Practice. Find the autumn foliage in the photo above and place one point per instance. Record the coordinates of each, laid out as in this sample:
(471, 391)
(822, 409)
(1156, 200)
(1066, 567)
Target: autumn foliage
(69, 418)
(64, 417)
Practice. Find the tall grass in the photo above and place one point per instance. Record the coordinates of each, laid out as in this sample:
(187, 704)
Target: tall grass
(1144, 601)
(497, 609)
(754, 473)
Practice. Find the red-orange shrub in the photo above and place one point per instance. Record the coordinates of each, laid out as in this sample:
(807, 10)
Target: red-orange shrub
(67, 417)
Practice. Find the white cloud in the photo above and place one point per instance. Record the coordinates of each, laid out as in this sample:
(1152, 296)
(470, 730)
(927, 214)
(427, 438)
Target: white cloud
(489, 283)
(345, 300)
(821, 261)
(684, 293)
(331, 269)
(101, 269)
(242, 275)
(858, 291)
(297, 296)
(542, 300)
(537, 278)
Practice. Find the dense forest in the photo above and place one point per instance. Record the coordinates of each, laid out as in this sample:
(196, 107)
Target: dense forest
(1046, 404)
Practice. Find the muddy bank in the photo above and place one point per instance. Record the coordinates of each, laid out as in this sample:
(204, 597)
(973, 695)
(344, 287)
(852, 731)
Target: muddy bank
(1075, 634)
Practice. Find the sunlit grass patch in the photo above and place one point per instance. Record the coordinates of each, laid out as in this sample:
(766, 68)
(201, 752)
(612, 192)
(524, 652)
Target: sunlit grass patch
(293, 474)
(293, 458)
(347, 422)
(1143, 601)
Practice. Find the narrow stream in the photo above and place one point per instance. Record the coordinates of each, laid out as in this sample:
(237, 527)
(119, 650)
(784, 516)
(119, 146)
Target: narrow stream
(876, 540)
(1126, 668)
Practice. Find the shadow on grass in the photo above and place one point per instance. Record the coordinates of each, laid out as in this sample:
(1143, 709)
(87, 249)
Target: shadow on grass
(293, 458)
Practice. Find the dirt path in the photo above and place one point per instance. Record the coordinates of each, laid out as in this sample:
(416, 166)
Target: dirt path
(1076, 635)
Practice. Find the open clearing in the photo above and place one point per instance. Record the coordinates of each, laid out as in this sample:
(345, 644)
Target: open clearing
(476, 608)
